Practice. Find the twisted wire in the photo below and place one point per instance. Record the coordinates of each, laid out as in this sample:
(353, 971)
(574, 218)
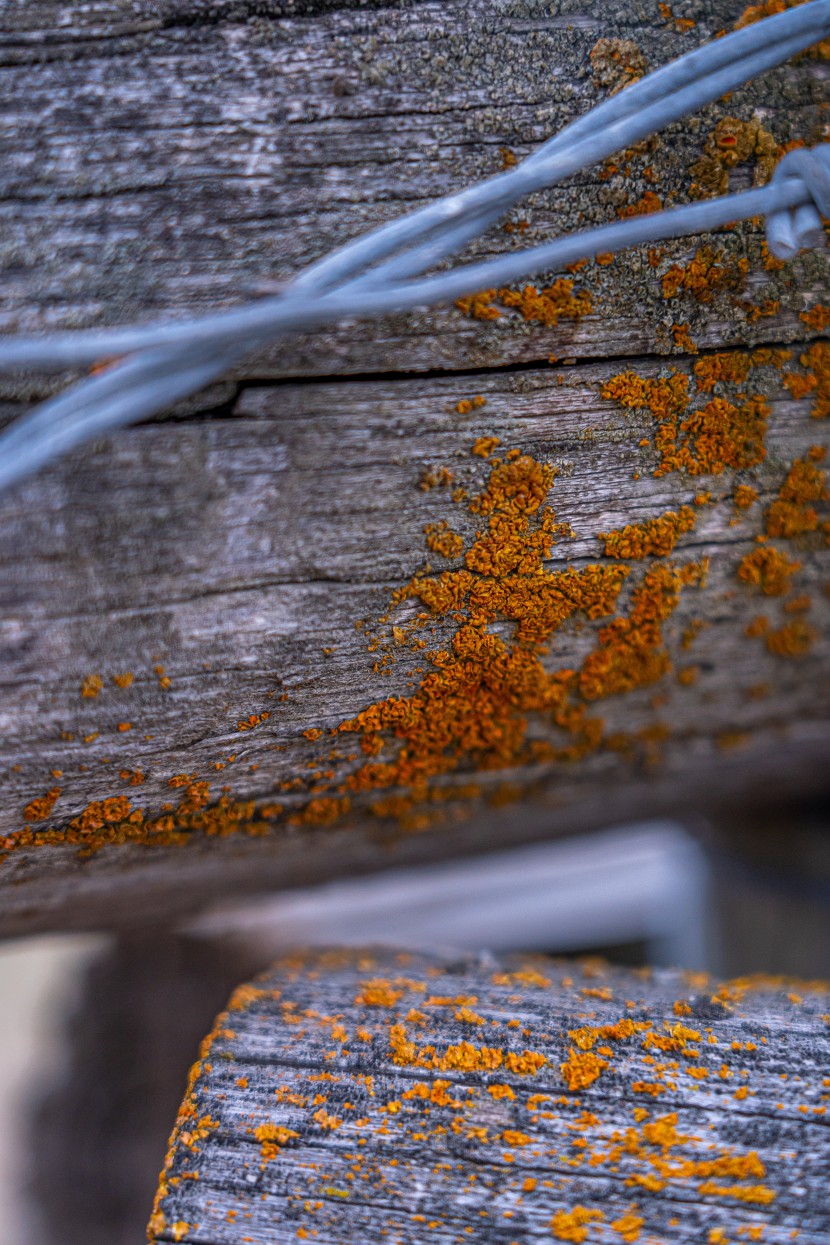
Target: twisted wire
(388, 269)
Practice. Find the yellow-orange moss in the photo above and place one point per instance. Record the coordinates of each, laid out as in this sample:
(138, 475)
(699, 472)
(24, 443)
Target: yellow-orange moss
(558, 301)
(652, 538)
(769, 570)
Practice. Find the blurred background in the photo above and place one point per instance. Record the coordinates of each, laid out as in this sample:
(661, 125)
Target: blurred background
(97, 1032)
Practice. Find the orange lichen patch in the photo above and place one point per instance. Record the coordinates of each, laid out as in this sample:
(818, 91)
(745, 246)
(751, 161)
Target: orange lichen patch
(710, 439)
(705, 275)
(768, 8)
(435, 479)
(581, 1068)
(271, 1138)
(682, 338)
(501, 1091)
(630, 1225)
(41, 807)
(378, 993)
(792, 513)
(817, 359)
(680, 23)
(615, 63)
(114, 821)
(466, 405)
(123, 680)
(461, 1057)
(651, 538)
(325, 1120)
(793, 639)
(484, 446)
(253, 720)
(91, 686)
(435, 1093)
(769, 570)
(744, 496)
(472, 706)
(730, 143)
(648, 203)
(817, 318)
(548, 306)
(572, 1225)
(134, 777)
(630, 651)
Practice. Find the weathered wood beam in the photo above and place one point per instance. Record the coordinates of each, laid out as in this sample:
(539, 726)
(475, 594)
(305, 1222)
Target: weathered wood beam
(351, 1096)
(225, 558)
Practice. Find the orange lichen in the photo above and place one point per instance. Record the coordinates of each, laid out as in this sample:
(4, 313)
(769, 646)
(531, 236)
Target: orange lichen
(817, 318)
(41, 807)
(793, 639)
(253, 720)
(378, 993)
(646, 205)
(705, 275)
(710, 439)
(91, 686)
(730, 143)
(484, 446)
(272, 1137)
(768, 8)
(572, 1225)
(630, 1225)
(548, 306)
(682, 338)
(631, 651)
(792, 513)
(651, 538)
(615, 63)
(123, 680)
(581, 1068)
(769, 570)
(744, 496)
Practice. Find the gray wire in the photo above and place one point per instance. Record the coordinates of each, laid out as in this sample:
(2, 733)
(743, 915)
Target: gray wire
(370, 276)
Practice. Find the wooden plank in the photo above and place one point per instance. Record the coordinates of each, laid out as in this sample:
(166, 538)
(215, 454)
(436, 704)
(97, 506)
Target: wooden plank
(348, 1095)
(237, 560)
(177, 157)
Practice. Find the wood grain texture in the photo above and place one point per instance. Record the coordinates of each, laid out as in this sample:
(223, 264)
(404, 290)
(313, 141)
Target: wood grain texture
(166, 156)
(350, 1096)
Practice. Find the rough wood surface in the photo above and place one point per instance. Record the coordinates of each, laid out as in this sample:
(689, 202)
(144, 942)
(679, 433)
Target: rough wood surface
(346, 1097)
(162, 156)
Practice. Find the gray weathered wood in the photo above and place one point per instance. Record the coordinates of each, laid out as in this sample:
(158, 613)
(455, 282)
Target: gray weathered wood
(368, 1095)
(165, 156)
